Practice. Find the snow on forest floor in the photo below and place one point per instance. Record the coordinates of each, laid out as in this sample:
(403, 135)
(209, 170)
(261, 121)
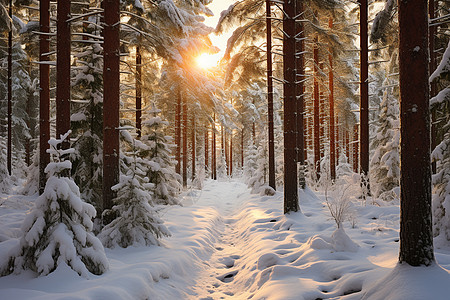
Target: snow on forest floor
(229, 244)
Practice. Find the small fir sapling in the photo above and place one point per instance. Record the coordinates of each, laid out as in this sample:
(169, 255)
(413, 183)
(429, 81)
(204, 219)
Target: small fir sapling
(161, 172)
(222, 167)
(58, 229)
(136, 222)
(250, 160)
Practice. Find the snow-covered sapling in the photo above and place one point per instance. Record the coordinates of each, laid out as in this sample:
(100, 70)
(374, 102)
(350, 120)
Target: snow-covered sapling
(58, 229)
(137, 222)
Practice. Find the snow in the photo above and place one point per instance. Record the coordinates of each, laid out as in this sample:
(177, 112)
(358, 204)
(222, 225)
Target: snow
(227, 243)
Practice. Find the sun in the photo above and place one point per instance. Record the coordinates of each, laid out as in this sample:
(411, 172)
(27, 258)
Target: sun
(207, 61)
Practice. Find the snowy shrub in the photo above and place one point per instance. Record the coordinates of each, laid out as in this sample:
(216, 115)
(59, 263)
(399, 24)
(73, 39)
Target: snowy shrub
(339, 204)
(222, 166)
(58, 229)
(250, 161)
(136, 221)
(5, 181)
(31, 185)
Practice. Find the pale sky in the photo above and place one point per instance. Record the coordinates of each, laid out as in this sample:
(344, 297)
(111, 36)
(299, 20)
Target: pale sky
(217, 6)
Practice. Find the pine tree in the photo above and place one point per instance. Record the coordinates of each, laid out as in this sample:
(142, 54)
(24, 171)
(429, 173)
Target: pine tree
(5, 181)
(441, 155)
(87, 121)
(162, 164)
(385, 163)
(136, 221)
(58, 229)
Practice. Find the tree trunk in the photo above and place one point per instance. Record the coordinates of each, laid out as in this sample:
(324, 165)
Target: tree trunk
(63, 52)
(206, 148)
(44, 91)
(231, 152)
(9, 146)
(290, 107)
(178, 132)
(364, 89)
(416, 238)
(432, 67)
(111, 100)
(242, 149)
(331, 123)
(355, 144)
(193, 136)
(300, 65)
(138, 81)
(270, 97)
(185, 141)
(316, 113)
(213, 150)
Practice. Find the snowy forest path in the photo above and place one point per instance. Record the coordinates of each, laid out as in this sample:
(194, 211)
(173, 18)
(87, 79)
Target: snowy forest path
(216, 281)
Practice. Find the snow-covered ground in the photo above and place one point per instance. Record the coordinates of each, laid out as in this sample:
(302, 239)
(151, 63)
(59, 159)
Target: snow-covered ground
(229, 244)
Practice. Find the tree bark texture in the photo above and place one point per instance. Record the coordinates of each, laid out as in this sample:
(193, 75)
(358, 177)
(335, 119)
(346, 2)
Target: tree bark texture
(138, 80)
(270, 96)
(63, 51)
(9, 143)
(206, 148)
(416, 239)
(178, 132)
(290, 108)
(111, 100)
(193, 136)
(213, 150)
(364, 88)
(316, 123)
(185, 141)
(331, 112)
(44, 91)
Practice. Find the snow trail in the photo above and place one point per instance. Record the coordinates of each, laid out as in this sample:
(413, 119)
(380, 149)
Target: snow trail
(216, 281)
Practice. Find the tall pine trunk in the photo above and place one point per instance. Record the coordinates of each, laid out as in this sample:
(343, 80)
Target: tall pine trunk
(331, 103)
(416, 238)
(364, 89)
(9, 146)
(63, 51)
(300, 65)
(193, 137)
(185, 141)
(270, 97)
(290, 107)
(178, 131)
(44, 91)
(111, 91)
(316, 123)
(138, 82)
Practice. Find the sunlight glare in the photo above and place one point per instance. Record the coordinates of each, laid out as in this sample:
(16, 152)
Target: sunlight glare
(206, 61)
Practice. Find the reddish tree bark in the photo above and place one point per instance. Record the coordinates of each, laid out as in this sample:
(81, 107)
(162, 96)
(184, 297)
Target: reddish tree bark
(63, 51)
(416, 238)
(213, 150)
(138, 80)
(193, 136)
(300, 65)
(231, 153)
(432, 67)
(355, 144)
(364, 88)
(290, 108)
(242, 148)
(111, 100)
(206, 147)
(185, 141)
(44, 91)
(9, 144)
(178, 132)
(270, 96)
(331, 104)
(316, 123)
